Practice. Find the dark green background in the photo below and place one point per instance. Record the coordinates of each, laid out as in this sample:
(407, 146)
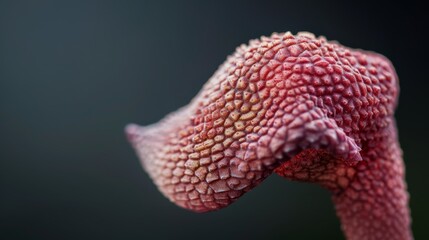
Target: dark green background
(72, 74)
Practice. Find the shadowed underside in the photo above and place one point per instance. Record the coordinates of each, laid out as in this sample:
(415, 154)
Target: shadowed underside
(300, 106)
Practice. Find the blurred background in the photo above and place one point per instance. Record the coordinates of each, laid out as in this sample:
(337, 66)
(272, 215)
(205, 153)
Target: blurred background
(72, 74)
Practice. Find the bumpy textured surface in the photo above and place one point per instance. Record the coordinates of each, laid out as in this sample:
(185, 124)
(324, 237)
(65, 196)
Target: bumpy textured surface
(300, 106)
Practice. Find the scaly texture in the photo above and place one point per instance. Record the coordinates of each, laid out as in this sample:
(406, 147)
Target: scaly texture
(300, 106)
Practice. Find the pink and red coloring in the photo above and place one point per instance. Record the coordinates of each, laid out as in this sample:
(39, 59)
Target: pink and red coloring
(299, 106)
